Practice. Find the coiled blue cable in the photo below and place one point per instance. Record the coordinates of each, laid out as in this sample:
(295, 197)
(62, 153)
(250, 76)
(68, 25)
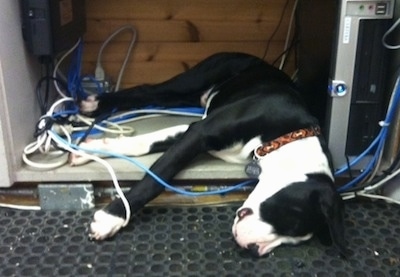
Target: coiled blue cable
(193, 111)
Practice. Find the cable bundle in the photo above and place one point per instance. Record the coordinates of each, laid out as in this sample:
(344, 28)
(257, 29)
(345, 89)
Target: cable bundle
(377, 144)
(375, 182)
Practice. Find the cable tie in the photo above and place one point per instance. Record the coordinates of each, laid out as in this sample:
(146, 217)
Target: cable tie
(382, 123)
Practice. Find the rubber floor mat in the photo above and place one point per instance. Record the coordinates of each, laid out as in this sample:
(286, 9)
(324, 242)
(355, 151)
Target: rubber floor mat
(189, 241)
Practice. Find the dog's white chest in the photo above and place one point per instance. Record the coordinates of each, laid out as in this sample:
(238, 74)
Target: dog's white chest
(288, 164)
(297, 158)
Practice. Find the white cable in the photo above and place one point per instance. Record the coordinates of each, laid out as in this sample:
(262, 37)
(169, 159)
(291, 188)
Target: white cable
(352, 195)
(45, 166)
(120, 130)
(99, 72)
(34, 146)
(382, 182)
(68, 147)
(283, 60)
(52, 109)
(56, 68)
(43, 142)
(122, 70)
(380, 197)
(20, 207)
(391, 29)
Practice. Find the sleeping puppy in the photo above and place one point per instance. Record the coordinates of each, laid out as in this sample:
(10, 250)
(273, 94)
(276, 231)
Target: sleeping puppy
(255, 116)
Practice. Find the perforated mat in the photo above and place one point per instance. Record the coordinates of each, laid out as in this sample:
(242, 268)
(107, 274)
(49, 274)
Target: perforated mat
(189, 241)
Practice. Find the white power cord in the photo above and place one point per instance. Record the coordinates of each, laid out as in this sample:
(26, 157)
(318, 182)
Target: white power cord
(66, 145)
(283, 60)
(388, 32)
(20, 207)
(352, 195)
(99, 71)
(114, 127)
(57, 66)
(43, 142)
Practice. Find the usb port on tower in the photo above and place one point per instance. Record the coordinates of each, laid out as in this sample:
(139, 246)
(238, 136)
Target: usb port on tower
(381, 8)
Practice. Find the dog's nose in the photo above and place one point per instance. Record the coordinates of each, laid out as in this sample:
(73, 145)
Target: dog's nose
(244, 212)
(253, 248)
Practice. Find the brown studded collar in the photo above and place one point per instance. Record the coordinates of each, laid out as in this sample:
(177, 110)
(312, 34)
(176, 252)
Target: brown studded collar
(273, 145)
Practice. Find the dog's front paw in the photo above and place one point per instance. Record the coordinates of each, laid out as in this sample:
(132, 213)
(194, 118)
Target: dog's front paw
(87, 145)
(75, 159)
(105, 225)
(89, 105)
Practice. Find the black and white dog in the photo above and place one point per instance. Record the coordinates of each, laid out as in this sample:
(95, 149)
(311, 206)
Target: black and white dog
(252, 111)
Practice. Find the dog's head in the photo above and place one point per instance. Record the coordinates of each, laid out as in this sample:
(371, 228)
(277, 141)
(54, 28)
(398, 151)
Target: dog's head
(290, 215)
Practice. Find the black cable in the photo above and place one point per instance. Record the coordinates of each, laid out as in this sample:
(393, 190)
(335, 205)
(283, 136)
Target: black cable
(43, 125)
(293, 43)
(43, 103)
(46, 62)
(47, 92)
(290, 48)
(349, 166)
(276, 30)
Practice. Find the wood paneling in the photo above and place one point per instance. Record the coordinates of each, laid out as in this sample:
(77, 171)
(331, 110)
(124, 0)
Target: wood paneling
(217, 10)
(173, 35)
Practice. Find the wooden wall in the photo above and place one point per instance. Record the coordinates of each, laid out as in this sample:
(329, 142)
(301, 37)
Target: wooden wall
(173, 35)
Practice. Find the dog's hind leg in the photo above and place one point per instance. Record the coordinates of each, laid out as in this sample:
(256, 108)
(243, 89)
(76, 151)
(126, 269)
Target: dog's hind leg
(184, 89)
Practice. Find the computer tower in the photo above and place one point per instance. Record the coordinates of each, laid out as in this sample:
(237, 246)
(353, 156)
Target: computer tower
(358, 95)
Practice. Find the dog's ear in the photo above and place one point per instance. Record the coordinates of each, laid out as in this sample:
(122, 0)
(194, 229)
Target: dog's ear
(332, 208)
